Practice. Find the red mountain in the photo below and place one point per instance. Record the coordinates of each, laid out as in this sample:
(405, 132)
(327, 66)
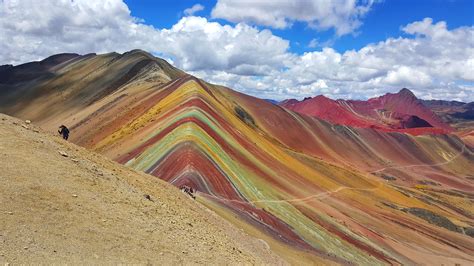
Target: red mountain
(401, 112)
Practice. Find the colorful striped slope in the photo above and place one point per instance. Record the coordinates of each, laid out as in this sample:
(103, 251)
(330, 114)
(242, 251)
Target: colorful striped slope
(313, 191)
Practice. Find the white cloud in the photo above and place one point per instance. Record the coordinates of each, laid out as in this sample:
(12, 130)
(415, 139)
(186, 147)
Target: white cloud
(432, 60)
(198, 44)
(344, 16)
(31, 30)
(427, 28)
(426, 62)
(313, 43)
(407, 76)
(192, 10)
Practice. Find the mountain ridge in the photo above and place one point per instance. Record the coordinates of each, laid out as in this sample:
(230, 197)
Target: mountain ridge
(399, 112)
(76, 206)
(289, 178)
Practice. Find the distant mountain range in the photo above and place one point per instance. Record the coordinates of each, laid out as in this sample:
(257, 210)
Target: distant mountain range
(320, 181)
(458, 114)
(401, 112)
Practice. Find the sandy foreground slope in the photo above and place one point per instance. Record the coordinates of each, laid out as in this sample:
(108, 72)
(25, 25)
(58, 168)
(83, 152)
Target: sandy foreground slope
(62, 203)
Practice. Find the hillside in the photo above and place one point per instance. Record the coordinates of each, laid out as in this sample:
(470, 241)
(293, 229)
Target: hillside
(61, 203)
(458, 114)
(398, 112)
(314, 191)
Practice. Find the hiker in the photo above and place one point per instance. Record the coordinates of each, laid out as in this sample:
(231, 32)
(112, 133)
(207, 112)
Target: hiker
(64, 131)
(188, 190)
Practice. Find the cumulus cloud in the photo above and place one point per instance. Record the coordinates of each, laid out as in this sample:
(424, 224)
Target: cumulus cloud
(430, 59)
(85, 26)
(344, 16)
(192, 10)
(31, 30)
(197, 44)
(433, 61)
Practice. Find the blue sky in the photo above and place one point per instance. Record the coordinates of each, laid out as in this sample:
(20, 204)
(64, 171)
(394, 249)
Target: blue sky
(383, 21)
(274, 49)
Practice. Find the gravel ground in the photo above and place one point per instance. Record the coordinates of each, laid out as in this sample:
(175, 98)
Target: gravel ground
(60, 203)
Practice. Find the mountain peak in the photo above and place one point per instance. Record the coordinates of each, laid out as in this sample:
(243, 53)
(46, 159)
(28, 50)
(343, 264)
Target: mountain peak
(322, 98)
(406, 92)
(138, 51)
(367, 113)
(238, 153)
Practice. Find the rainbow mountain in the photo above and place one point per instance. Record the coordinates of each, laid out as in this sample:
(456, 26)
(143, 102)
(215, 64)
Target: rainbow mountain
(315, 192)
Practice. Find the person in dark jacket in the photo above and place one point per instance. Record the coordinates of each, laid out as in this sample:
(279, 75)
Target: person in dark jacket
(64, 131)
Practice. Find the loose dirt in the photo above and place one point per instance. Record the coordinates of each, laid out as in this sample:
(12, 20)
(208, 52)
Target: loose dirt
(60, 203)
